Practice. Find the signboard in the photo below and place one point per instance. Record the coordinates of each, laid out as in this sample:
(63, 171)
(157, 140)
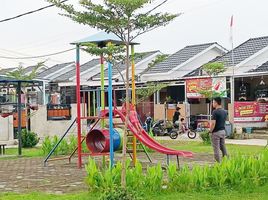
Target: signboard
(219, 85)
(195, 85)
(250, 112)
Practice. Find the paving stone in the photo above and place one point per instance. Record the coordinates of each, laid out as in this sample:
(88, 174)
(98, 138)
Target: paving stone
(28, 174)
(2, 186)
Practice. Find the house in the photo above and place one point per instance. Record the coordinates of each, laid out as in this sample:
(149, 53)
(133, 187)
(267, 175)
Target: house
(183, 62)
(247, 63)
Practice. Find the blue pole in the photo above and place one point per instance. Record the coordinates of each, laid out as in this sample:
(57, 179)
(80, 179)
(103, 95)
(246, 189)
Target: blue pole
(110, 102)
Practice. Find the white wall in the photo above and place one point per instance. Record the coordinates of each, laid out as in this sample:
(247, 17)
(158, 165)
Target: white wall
(43, 127)
(253, 63)
(6, 130)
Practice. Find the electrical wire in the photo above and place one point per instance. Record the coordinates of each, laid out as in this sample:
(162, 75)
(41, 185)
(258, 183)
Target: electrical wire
(40, 56)
(14, 53)
(30, 12)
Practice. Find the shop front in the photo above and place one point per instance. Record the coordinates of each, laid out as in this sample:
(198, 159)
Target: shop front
(199, 104)
(251, 101)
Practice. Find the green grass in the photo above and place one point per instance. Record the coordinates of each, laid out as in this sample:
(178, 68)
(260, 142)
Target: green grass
(199, 147)
(26, 152)
(196, 147)
(260, 193)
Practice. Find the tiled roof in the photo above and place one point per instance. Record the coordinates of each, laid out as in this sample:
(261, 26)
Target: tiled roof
(198, 71)
(53, 69)
(241, 53)
(90, 64)
(244, 50)
(4, 71)
(178, 58)
(262, 68)
(121, 67)
(31, 68)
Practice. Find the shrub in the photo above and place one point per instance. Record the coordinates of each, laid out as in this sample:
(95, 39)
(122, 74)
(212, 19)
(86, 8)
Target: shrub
(55, 140)
(66, 146)
(29, 139)
(120, 194)
(72, 143)
(205, 136)
(239, 172)
(63, 148)
(46, 145)
(153, 180)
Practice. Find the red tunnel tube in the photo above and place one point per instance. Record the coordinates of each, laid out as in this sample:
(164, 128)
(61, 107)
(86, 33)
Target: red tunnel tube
(98, 141)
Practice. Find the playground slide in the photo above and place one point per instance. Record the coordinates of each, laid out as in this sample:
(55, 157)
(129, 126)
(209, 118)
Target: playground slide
(148, 137)
(144, 138)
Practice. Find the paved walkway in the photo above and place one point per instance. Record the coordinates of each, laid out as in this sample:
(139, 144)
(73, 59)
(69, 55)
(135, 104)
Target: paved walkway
(28, 174)
(253, 142)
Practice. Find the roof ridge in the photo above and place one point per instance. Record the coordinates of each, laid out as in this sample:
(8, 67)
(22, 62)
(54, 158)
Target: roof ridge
(153, 51)
(202, 44)
(260, 37)
(250, 39)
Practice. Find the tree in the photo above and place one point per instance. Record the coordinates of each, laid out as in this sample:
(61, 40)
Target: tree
(21, 74)
(125, 19)
(158, 59)
(149, 90)
(110, 49)
(212, 69)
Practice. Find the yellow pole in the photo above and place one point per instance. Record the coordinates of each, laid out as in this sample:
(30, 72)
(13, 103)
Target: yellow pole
(133, 101)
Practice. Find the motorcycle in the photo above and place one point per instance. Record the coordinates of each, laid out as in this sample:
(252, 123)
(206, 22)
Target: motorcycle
(159, 129)
(176, 131)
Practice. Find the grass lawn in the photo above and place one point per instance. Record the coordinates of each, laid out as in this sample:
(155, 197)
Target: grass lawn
(199, 147)
(26, 152)
(257, 194)
(194, 146)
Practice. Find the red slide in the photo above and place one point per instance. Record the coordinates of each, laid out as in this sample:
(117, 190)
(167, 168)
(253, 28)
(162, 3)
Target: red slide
(144, 138)
(148, 137)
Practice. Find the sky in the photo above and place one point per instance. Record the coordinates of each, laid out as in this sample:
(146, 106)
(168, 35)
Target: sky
(202, 21)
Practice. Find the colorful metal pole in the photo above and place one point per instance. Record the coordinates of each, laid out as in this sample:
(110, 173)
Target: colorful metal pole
(84, 104)
(78, 100)
(88, 104)
(98, 101)
(102, 88)
(133, 100)
(19, 118)
(94, 103)
(110, 102)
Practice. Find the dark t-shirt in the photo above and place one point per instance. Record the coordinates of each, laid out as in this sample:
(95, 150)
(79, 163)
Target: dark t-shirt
(220, 116)
(176, 116)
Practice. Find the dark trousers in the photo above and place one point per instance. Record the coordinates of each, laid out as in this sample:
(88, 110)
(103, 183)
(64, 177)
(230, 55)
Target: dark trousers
(218, 143)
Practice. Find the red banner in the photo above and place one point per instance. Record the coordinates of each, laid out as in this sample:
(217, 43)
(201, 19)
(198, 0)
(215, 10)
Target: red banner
(250, 112)
(195, 85)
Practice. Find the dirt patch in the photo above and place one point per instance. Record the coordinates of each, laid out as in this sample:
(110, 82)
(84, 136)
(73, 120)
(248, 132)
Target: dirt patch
(29, 174)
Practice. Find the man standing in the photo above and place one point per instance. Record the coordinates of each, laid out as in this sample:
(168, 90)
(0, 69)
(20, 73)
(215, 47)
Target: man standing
(176, 116)
(217, 128)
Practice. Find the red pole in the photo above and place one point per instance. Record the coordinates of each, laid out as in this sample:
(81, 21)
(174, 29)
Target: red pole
(78, 100)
